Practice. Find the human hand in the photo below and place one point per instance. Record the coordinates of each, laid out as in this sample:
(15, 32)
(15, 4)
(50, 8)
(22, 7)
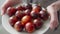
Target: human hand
(52, 10)
(8, 3)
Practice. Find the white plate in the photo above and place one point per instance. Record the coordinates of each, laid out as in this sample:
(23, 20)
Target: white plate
(11, 30)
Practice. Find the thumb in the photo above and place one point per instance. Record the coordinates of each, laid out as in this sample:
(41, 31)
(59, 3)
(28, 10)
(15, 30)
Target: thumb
(54, 18)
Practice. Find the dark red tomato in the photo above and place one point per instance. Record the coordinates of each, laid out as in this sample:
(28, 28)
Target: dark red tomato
(34, 14)
(27, 12)
(43, 14)
(38, 23)
(13, 20)
(18, 26)
(25, 19)
(29, 27)
(11, 11)
(37, 8)
(20, 14)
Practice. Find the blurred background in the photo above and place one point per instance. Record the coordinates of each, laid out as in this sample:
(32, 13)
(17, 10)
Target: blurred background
(3, 31)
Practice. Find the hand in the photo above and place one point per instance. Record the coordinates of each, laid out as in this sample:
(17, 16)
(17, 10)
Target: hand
(52, 10)
(9, 3)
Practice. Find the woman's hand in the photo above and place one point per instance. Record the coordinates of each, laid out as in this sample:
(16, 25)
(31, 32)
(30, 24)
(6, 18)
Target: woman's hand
(54, 18)
(52, 10)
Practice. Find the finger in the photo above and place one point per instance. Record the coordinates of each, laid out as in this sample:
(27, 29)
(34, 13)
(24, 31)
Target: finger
(3, 11)
(4, 7)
